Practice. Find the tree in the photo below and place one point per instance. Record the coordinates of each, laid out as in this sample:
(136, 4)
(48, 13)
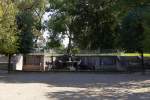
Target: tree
(29, 21)
(95, 24)
(8, 30)
(146, 25)
(60, 24)
(87, 24)
(132, 33)
(25, 22)
(133, 26)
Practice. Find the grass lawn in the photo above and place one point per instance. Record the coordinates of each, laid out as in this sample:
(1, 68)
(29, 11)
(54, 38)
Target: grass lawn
(135, 54)
(116, 54)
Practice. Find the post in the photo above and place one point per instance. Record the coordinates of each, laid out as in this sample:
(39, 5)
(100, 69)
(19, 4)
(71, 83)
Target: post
(52, 60)
(142, 62)
(9, 63)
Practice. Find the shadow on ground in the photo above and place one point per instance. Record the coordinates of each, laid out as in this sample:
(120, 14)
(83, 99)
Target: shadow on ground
(87, 86)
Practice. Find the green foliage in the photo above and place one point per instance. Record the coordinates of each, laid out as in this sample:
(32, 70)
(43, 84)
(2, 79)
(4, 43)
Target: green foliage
(87, 24)
(29, 21)
(146, 24)
(8, 30)
(25, 22)
(53, 43)
(61, 23)
(132, 33)
(95, 24)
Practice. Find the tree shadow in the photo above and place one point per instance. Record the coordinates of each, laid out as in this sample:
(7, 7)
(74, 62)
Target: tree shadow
(99, 95)
(70, 95)
(86, 86)
(139, 96)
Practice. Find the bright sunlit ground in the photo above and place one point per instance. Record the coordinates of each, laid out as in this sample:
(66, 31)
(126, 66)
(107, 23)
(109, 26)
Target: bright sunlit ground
(74, 86)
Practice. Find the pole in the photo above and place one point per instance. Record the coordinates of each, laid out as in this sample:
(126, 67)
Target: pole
(142, 62)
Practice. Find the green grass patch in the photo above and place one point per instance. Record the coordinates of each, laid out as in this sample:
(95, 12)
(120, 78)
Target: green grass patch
(135, 54)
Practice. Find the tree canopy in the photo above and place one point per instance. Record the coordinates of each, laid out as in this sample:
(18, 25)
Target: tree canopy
(8, 29)
(29, 21)
(100, 24)
(87, 24)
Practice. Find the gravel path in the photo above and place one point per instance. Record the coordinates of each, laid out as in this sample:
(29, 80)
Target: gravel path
(74, 86)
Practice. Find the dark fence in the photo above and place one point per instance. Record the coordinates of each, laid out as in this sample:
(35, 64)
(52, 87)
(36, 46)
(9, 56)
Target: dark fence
(98, 62)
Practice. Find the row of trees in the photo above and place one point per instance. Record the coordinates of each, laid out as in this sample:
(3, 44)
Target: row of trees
(101, 24)
(20, 25)
(88, 24)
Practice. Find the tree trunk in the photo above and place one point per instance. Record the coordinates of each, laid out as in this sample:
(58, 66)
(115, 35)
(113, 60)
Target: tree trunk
(24, 59)
(9, 63)
(69, 47)
(142, 62)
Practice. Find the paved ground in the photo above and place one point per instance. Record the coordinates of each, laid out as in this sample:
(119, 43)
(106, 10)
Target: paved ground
(74, 86)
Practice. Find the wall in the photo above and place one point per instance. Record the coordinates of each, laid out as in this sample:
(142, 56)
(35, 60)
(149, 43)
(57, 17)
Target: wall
(18, 62)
